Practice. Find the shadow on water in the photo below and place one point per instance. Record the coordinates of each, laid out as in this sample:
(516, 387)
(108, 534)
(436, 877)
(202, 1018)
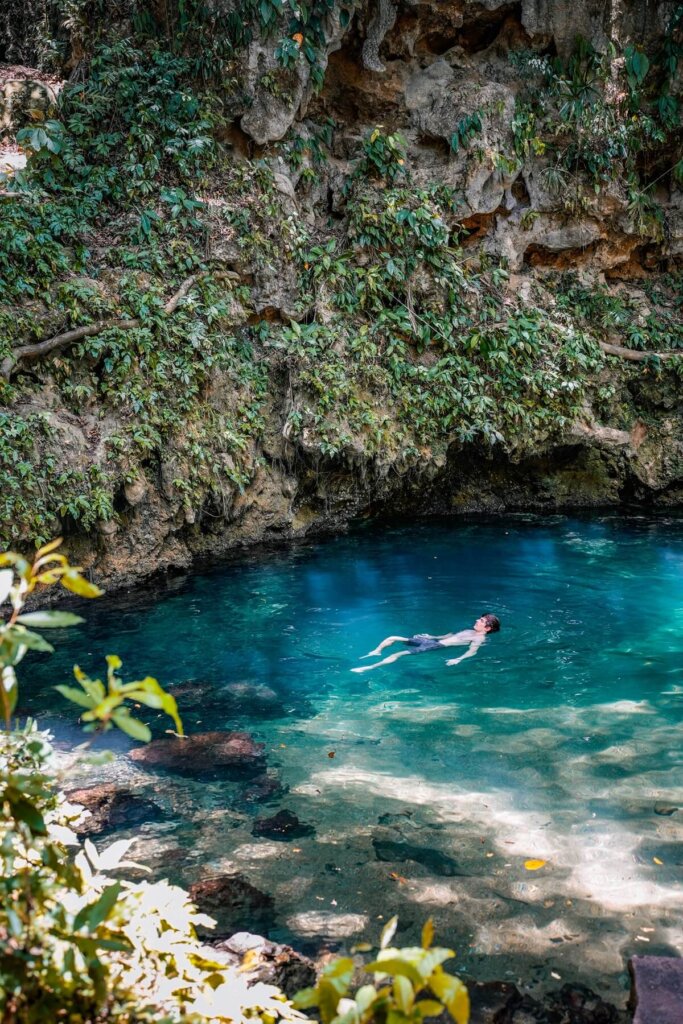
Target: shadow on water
(428, 788)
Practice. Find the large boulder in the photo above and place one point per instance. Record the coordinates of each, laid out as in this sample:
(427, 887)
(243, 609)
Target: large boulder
(202, 753)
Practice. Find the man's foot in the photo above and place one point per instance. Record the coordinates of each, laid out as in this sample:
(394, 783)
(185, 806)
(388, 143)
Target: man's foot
(372, 654)
(363, 668)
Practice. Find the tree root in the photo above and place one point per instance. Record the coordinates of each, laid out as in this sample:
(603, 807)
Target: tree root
(28, 353)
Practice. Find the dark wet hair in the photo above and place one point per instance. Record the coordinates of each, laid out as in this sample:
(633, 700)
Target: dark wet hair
(492, 622)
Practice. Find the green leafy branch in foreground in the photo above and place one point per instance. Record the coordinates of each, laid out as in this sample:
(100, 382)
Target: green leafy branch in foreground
(412, 986)
(104, 707)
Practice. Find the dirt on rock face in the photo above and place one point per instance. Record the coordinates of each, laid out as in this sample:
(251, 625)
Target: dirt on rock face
(202, 753)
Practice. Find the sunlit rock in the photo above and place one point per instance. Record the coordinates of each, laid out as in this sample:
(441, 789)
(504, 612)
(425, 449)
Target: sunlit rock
(201, 753)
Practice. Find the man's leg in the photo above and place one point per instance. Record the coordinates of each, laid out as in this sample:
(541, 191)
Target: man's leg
(386, 661)
(385, 643)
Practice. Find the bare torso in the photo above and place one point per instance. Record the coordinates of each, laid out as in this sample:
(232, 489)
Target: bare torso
(461, 638)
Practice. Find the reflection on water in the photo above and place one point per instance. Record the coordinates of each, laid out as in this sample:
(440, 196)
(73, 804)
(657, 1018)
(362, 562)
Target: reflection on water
(428, 787)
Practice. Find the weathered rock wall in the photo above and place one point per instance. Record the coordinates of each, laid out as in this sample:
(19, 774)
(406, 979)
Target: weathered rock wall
(419, 68)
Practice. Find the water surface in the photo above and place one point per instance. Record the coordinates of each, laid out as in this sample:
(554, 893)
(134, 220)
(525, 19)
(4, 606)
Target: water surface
(428, 787)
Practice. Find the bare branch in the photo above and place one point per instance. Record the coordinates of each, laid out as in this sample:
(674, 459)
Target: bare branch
(37, 350)
(634, 355)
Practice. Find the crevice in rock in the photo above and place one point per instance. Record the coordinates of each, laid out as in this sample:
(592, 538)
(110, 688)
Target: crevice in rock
(476, 226)
(483, 26)
(563, 259)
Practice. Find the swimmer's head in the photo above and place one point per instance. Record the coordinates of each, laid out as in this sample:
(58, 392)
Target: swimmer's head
(487, 624)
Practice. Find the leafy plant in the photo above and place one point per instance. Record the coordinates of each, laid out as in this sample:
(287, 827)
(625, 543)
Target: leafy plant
(466, 130)
(410, 986)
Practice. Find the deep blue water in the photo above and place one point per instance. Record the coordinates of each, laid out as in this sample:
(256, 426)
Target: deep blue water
(554, 742)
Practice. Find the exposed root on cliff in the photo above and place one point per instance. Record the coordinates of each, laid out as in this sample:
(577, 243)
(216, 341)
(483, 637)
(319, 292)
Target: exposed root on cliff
(28, 353)
(635, 355)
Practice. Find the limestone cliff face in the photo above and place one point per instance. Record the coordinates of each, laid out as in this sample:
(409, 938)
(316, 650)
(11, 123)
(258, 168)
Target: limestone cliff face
(420, 68)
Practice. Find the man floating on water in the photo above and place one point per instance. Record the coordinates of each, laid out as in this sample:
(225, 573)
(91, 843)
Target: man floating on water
(421, 642)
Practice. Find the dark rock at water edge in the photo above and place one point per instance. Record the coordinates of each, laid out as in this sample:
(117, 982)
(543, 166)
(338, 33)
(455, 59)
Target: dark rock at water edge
(273, 964)
(204, 753)
(657, 989)
(112, 807)
(433, 860)
(282, 826)
(234, 902)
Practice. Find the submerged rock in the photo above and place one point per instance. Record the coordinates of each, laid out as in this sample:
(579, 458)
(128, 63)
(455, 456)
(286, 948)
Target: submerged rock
(492, 1002)
(665, 809)
(282, 826)
(112, 807)
(233, 901)
(270, 962)
(202, 753)
(573, 1004)
(262, 789)
(433, 860)
(657, 989)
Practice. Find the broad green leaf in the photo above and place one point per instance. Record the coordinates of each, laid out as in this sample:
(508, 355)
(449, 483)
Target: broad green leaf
(394, 966)
(133, 727)
(94, 914)
(112, 856)
(397, 1017)
(34, 641)
(49, 619)
(428, 1008)
(433, 958)
(403, 993)
(76, 696)
(306, 998)
(388, 932)
(77, 584)
(365, 996)
(24, 811)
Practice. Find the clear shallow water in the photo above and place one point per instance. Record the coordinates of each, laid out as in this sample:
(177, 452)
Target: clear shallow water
(554, 742)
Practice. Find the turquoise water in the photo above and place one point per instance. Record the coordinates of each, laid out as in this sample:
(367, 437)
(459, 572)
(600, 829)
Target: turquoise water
(555, 742)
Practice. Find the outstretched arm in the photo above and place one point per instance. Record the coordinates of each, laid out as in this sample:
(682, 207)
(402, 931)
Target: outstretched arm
(469, 653)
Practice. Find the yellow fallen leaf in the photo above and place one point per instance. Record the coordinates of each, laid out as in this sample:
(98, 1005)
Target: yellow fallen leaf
(657, 860)
(534, 865)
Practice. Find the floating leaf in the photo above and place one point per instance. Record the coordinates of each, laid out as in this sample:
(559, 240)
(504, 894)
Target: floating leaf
(657, 860)
(534, 865)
